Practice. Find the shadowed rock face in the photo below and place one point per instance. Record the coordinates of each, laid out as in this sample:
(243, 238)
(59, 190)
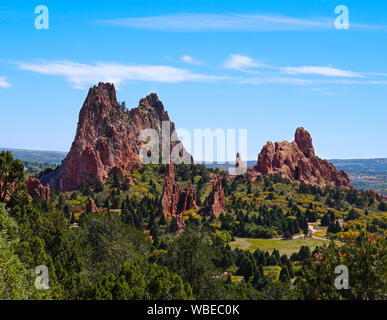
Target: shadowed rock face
(37, 190)
(297, 161)
(107, 138)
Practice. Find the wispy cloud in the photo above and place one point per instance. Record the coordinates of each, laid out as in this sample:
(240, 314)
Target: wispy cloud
(188, 59)
(221, 22)
(241, 63)
(276, 80)
(80, 75)
(198, 22)
(322, 71)
(4, 83)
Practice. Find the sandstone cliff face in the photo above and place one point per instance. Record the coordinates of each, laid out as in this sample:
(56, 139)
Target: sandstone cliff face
(297, 161)
(175, 201)
(37, 190)
(216, 203)
(107, 138)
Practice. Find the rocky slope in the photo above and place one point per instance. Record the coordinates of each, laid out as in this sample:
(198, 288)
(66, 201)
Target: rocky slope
(297, 161)
(107, 138)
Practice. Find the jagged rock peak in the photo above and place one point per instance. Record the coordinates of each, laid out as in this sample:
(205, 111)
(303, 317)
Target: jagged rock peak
(152, 100)
(107, 139)
(304, 141)
(297, 161)
(103, 94)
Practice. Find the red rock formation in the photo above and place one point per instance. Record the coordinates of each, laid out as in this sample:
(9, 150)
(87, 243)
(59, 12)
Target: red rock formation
(37, 190)
(303, 140)
(178, 224)
(297, 161)
(187, 199)
(107, 138)
(91, 206)
(171, 192)
(377, 195)
(216, 203)
(174, 201)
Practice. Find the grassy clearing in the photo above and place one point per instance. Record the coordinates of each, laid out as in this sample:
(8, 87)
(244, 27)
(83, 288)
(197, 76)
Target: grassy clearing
(283, 246)
(320, 232)
(272, 272)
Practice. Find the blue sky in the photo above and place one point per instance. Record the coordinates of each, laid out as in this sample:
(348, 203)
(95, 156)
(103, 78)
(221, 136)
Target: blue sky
(267, 67)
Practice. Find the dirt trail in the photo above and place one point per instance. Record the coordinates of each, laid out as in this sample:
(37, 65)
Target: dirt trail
(312, 230)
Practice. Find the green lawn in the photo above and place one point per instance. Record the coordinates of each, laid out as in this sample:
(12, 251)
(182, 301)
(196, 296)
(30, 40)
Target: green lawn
(283, 246)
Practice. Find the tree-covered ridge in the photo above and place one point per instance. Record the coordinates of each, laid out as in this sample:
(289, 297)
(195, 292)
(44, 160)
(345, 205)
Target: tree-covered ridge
(126, 251)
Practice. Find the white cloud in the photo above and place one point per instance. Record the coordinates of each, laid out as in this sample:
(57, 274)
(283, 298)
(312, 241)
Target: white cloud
(80, 75)
(191, 60)
(221, 22)
(4, 83)
(182, 22)
(276, 80)
(322, 71)
(241, 63)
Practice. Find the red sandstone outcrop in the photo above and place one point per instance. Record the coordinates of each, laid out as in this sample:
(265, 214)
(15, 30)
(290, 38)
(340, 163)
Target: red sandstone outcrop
(178, 224)
(91, 206)
(108, 138)
(187, 200)
(216, 203)
(297, 161)
(37, 190)
(175, 201)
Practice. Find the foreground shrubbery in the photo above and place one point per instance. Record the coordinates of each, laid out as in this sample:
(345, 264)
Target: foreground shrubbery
(130, 253)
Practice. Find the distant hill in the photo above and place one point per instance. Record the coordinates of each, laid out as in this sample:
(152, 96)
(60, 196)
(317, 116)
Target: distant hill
(365, 173)
(52, 157)
(362, 165)
(225, 165)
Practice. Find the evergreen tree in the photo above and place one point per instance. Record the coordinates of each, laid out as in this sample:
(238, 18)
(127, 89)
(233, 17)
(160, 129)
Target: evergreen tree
(107, 204)
(72, 220)
(162, 221)
(284, 275)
